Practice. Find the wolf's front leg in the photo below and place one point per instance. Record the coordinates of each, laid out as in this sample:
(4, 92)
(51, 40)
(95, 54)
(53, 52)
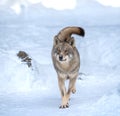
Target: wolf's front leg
(65, 99)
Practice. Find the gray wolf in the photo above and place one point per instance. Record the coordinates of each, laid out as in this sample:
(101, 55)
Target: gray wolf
(66, 61)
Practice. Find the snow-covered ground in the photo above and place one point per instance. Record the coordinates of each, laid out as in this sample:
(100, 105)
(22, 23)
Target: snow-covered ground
(34, 91)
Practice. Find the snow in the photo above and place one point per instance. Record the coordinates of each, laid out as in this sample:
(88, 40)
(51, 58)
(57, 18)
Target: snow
(34, 91)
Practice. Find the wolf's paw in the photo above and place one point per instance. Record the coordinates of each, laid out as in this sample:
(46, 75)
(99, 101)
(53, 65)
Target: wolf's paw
(64, 106)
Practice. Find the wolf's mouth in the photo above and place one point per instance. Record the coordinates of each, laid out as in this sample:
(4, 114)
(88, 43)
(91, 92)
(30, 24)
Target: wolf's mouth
(63, 60)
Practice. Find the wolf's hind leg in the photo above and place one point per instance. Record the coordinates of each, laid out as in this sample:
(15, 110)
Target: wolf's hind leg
(72, 87)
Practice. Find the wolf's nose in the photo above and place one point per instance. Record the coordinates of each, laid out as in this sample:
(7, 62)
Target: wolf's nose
(60, 58)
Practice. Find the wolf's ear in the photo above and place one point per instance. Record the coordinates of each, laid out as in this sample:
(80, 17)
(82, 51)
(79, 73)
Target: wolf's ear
(72, 42)
(56, 40)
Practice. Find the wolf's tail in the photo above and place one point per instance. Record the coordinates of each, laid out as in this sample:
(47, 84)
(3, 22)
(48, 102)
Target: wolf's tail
(68, 31)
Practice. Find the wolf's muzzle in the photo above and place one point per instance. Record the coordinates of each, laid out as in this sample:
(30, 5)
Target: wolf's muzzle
(61, 58)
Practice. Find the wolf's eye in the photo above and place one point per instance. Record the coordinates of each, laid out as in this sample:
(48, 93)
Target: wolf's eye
(58, 50)
(66, 51)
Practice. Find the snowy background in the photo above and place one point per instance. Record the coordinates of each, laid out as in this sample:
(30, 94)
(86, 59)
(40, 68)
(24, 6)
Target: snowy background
(34, 91)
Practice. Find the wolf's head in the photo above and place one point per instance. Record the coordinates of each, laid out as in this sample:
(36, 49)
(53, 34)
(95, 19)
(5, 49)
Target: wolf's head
(63, 52)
